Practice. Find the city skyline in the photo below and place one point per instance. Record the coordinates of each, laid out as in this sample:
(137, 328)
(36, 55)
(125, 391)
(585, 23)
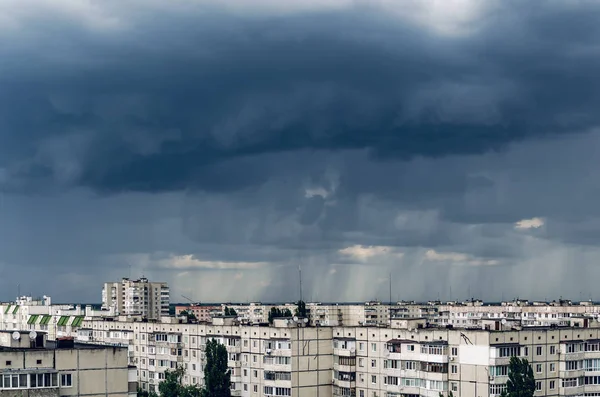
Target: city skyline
(218, 146)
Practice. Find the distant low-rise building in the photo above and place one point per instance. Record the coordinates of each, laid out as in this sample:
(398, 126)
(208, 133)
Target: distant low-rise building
(203, 313)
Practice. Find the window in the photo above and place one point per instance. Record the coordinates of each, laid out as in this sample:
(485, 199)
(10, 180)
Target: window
(38, 380)
(573, 365)
(538, 368)
(395, 364)
(38, 362)
(509, 351)
(499, 370)
(592, 364)
(373, 363)
(552, 385)
(538, 350)
(410, 365)
(245, 387)
(361, 346)
(361, 393)
(410, 348)
(373, 347)
(573, 347)
(454, 351)
(526, 351)
(8, 363)
(361, 362)
(570, 382)
(454, 368)
(538, 385)
(373, 379)
(552, 367)
(255, 389)
(391, 380)
(552, 349)
(66, 380)
(454, 386)
(497, 389)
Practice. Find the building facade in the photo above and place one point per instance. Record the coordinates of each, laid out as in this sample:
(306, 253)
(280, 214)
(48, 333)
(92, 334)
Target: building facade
(30, 365)
(408, 357)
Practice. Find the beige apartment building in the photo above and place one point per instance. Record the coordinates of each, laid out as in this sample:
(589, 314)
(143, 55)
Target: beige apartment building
(30, 365)
(413, 361)
(137, 298)
(286, 359)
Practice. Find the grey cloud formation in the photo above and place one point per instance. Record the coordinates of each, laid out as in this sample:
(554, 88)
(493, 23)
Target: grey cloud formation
(215, 144)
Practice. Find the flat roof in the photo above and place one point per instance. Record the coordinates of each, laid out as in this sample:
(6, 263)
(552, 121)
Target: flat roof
(51, 345)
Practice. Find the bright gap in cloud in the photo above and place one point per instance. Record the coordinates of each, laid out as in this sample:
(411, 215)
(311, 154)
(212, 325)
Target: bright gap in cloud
(364, 253)
(458, 258)
(533, 223)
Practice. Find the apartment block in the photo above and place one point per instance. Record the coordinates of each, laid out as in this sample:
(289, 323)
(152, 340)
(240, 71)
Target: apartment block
(30, 365)
(286, 359)
(141, 297)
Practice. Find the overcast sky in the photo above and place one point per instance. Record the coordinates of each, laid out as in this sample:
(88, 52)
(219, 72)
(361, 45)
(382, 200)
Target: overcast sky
(220, 145)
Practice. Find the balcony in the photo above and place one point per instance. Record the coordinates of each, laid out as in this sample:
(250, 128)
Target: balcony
(571, 391)
(277, 367)
(279, 352)
(348, 384)
(344, 368)
(344, 352)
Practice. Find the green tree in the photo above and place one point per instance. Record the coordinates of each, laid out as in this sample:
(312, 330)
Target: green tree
(230, 311)
(141, 393)
(301, 309)
(173, 387)
(217, 376)
(190, 316)
(521, 382)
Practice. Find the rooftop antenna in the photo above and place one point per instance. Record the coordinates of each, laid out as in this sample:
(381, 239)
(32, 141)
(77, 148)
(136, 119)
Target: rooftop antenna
(300, 278)
(390, 289)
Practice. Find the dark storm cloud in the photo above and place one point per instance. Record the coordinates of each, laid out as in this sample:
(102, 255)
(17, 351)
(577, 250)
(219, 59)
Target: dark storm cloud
(254, 143)
(180, 101)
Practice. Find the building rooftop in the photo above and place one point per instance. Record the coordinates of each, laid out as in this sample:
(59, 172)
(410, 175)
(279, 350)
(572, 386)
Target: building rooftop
(52, 345)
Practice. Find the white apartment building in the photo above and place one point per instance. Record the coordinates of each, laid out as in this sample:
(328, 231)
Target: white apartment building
(32, 366)
(136, 298)
(394, 362)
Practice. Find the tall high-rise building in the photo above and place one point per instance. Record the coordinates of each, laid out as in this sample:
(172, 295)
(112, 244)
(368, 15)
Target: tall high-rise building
(137, 298)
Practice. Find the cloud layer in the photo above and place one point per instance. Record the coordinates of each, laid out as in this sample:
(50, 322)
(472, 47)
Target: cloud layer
(218, 145)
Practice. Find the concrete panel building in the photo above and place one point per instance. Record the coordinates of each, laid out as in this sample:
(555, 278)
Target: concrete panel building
(137, 298)
(30, 365)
